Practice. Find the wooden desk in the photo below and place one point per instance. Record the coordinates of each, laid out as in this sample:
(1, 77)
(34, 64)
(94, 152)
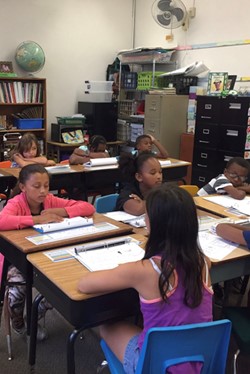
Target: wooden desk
(58, 283)
(15, 247)
(217, 209)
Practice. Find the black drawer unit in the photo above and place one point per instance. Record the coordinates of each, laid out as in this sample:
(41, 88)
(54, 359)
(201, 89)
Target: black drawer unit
(221, 132)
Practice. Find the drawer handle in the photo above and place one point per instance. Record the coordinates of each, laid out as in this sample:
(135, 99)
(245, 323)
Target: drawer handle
(201, 179)
(227, 158)
(202, 166)
(206, 117)
(154, 109)
(208, 106)
(204, 141)
(232, 133)
(235, 106)
(206, 131)
(203, 155)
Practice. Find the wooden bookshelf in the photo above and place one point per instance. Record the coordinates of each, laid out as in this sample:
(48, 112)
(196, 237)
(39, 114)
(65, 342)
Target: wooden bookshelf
(19, 95)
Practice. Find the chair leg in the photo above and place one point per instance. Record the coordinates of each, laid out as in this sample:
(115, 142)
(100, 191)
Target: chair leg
(6, 314)
(235, 360)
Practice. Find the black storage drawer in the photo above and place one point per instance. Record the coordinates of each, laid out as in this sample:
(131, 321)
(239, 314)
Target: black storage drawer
(206, 135)
(201, 177)
(224, 156)
(234, 111)
(232, 138)
(208, 109)
(205, 158)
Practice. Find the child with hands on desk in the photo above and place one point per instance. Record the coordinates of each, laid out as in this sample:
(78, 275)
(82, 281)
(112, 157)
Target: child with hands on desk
(32, 206)
(96, 149)
(28, 151)
(231, 182)
(172, 279)
(141, 174)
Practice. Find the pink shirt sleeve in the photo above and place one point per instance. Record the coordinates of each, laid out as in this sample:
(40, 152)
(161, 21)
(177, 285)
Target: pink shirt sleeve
(73, 207)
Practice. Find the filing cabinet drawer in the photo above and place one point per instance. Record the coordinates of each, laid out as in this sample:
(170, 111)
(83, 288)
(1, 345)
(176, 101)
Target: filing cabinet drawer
(225, 156)
(153, 106)
(205, 158)
(201, 177)
(152, 127)
(206, 135)
(208, 109)
(232, 138)
(235, 111)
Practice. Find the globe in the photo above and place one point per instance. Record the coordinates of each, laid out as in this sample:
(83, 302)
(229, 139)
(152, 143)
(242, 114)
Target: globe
(30, 56)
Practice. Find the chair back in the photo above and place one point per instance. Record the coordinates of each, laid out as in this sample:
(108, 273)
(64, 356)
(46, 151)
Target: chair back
(106, 203)
(190, 188)
(205, 344)
(5, 164)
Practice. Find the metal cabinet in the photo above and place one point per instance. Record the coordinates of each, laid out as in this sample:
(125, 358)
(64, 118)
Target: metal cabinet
(165, 119)
(221, 131)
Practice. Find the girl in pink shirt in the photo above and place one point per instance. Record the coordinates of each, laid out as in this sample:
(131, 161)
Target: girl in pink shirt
(34, 205)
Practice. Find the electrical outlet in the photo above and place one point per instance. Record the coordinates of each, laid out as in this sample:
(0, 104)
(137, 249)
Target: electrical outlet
(192, 12)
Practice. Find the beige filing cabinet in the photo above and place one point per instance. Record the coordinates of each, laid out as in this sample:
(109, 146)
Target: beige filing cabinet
(165, 119)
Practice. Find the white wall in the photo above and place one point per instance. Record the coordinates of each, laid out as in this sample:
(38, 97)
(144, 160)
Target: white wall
(215, 21)
(79, 38)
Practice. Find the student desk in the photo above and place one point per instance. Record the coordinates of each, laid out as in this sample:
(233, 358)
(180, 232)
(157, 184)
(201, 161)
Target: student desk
(217, 209)
(58, 283)
(15, 247)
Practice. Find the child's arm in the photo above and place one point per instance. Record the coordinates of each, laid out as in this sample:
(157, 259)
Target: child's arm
(245, 187)
(232, 232)
(98, 154)
(78, 157)
(21, 161)
(235, 192)
(163, 153)
(135, 205)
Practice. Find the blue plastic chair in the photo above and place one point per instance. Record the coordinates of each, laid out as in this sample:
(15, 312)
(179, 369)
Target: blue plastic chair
(167, 346)
(106, 203)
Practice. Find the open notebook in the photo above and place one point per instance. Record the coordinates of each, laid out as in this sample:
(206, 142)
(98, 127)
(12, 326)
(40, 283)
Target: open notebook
(108, 254)
(67, 223)
(242, 206)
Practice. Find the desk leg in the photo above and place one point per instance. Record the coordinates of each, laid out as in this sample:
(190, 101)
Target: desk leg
(71, 350)
(33, 332)
(29, 281)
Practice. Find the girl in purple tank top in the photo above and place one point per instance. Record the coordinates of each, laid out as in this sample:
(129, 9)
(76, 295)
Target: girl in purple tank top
(172, 279)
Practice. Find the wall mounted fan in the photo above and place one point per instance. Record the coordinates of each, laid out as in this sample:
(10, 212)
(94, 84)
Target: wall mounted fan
(170, 14)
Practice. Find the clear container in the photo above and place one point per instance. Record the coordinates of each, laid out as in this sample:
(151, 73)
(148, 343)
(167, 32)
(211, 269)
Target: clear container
(93, 86)
(97, 96)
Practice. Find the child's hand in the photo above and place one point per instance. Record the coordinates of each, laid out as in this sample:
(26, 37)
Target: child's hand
(47, 218)
(51, 163)
(135, 197)
(151, 137)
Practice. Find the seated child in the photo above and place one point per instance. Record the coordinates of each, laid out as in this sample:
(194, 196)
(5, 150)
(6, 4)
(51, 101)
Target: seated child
(140, 175)
(28, 151)
(146, 142)
(34, 205)
(96, 149)
(231, 182)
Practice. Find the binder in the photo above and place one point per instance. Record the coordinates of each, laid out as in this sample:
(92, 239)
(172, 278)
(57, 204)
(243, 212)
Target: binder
(108, 254)
(67, 223)
(106, 161)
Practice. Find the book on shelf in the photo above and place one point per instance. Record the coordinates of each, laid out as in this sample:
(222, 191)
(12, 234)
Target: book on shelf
(67, 223)
(107, 161)
(108, 254)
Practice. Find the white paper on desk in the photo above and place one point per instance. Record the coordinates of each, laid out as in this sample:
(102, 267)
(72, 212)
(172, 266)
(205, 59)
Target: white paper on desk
(215, 247)
(164, 162)
(59, 169)
(101, 162)
(71, 233)
(242, 206)
(67, 223)
(135, 221)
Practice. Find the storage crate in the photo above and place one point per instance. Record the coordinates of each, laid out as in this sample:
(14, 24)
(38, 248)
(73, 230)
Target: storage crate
(93, 86)
(97, 96)
(28, 123)
(123, 130)
(73, 121)
(180, 82)
(126, 107)
(129, 80)
(145, 79)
